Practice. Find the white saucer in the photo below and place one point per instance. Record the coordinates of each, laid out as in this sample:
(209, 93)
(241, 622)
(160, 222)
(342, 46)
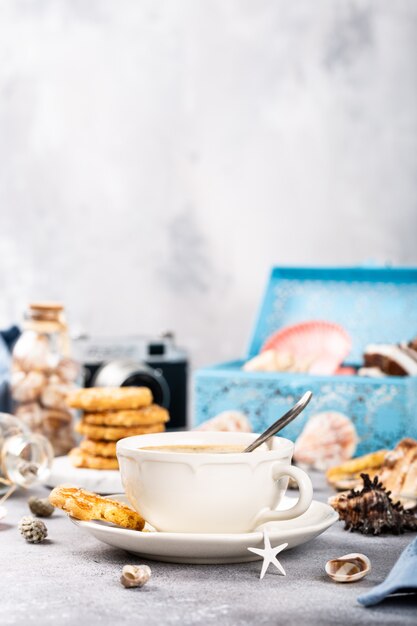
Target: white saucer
(99, 481)
(213, 548)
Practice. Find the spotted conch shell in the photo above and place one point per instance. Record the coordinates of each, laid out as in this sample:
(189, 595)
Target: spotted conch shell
(327, 439)
(372, 510)
(228, 421)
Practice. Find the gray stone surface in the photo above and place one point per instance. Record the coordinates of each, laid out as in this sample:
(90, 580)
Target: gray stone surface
(71, 579)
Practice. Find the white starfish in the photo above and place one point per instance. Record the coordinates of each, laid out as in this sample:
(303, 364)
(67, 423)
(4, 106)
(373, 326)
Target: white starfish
(269, 555)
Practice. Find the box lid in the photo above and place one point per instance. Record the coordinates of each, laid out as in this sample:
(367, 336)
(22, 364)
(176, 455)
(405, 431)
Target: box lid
(374, 304)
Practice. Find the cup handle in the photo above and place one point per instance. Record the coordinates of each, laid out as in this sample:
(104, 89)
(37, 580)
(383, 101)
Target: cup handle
(306, 495)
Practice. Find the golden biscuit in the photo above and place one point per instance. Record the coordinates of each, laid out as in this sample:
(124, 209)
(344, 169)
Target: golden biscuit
(85, 505)
(110, 433)
(79, 458)
(109, 398)
(98, 448)
(152, 414)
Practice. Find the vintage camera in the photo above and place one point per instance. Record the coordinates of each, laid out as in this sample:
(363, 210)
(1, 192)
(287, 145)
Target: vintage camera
(138, 361)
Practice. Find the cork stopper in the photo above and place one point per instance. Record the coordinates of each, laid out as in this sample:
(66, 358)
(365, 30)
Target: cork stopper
(45, 311)
(46, 306)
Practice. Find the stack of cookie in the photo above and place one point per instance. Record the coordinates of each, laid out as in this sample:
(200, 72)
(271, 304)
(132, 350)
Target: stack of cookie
(111, 413)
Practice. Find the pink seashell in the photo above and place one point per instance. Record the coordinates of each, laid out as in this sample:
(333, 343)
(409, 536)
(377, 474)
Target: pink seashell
(316, 347)
(227, 421)
(327, 439)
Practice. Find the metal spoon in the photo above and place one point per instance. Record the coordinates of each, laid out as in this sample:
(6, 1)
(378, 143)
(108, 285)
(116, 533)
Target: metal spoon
(282, 422)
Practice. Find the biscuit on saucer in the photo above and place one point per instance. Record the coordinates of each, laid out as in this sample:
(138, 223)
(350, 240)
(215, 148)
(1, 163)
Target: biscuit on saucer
(87, 506)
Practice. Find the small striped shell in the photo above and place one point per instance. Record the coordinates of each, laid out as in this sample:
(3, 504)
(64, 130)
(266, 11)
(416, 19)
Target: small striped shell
(348, 568)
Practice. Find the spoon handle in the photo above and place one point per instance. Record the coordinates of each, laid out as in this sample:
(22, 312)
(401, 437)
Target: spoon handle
(282, 422)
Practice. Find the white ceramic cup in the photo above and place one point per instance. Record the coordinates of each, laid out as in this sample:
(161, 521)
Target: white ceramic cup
(209, 492)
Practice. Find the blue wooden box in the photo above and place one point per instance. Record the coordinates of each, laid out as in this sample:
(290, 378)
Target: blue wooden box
(375, 305)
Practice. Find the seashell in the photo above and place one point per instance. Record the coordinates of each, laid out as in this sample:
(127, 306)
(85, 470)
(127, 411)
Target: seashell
(3, 512)
(54, 395)
(371, 372)
(413, 344)
(30, 414)
(398, 473)
(327, 439)
(269, 361)
(54, 379)
(54, 419)
(371, 511)
(228, 421)
(348, 568)
(62, 438)
(396, 470)
(33, 352)
(27, 387)
(316, 347)
(345, 370)
(392, 359)
(68, 370)
(135, 575)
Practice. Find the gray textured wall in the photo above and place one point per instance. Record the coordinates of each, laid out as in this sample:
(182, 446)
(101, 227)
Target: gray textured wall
(156, 157)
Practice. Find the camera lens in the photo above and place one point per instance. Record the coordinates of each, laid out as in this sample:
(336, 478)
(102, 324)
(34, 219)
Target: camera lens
(152, 380)
(126, 373)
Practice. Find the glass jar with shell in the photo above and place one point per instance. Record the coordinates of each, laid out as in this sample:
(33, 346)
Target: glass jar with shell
(43, 373)
(25, 457)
